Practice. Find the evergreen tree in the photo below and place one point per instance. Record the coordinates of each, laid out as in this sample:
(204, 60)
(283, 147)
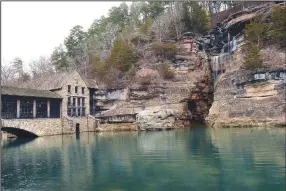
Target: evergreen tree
(59, 59)
(121, 56)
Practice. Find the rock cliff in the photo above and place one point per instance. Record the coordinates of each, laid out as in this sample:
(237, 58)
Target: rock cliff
(209, 84)
(155, 104)
(251, 98)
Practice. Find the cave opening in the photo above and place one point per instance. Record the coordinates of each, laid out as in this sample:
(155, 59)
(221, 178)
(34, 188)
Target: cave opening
(192, 106)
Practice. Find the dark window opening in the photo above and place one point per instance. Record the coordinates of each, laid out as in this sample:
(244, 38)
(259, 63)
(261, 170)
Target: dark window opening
(82, 90)
(83, 102)
(26, 109)
(83, 111)
(9, 108)
(69, 89)
(92, 102)
(78, 102)
(69, 101)
(75, 89)
(41, 109)
(69, 112)
(73, 101)
(78, 112)
(55, 108)
(74, 112)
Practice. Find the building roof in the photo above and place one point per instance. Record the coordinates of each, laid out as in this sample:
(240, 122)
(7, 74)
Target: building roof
(13, 91)
(91, 83)
(56, 81)
(50, 82)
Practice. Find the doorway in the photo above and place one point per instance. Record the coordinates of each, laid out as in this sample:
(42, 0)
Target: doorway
(77, 128)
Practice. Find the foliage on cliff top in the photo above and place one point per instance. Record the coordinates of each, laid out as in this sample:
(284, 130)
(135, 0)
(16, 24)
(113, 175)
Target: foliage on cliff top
(252, 57)
(259, 32)
(256, 31)
(121, 56)
(277, 29)
(168, 50)
(166, 17)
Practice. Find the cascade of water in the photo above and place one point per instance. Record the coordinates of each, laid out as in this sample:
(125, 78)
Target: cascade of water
(218, 62)
(228, 43)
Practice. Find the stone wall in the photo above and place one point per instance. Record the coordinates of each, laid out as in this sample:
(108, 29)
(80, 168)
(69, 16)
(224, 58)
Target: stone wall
(74, 80)
(52, 126)
(86, 124)
(40, 127)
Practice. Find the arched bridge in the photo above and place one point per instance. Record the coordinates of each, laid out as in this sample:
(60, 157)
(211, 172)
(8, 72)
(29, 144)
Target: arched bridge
(32, 127)
(18, 132)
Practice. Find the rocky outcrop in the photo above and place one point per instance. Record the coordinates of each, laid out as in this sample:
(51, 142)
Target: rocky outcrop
(156, 104)
(155, 118)
(251, 98)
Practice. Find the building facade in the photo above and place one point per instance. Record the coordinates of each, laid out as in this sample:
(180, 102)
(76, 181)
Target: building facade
(67, 97)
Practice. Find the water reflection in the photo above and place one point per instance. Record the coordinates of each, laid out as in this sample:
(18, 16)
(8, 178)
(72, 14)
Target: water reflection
(185, 159)
(8, 143)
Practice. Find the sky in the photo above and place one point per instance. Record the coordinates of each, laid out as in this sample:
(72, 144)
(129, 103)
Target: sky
(33, 29)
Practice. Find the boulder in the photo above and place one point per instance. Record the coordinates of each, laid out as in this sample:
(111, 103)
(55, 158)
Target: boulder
(155, 118)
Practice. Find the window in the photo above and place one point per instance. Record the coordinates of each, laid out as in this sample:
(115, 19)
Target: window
(69, 112)
(69, 88)
(82, 90)
(74, 112)
(78, 102)
(78, 112)
(26, 109)
(73, 101)
(75, 89)
(55, 106)
(41, 111)
(83, 111)
(83, 102)
(9, 108)
(69, 101)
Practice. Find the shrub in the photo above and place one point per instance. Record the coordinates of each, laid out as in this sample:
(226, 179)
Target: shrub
(145, 80)
(165, 71)
(278, 25)
(99, 68)
(252, 58)
(145, 26)
(121, 56)
(168, 50)
(256, 31)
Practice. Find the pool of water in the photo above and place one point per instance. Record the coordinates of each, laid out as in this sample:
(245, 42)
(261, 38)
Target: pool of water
(184, 159)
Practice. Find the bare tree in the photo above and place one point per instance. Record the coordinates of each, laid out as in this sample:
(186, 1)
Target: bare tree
(163, 24)
(41, 67)
(7, 74)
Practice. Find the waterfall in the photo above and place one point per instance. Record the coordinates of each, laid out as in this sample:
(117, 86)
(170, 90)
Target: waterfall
(218, 62)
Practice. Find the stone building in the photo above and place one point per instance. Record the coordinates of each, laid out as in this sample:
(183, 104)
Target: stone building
(68, 98)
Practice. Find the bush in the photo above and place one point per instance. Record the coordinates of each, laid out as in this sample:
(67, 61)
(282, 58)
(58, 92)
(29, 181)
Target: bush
(252, 58)
(99, 68)
(255, 32)
(165, 71)
(121, 56)
(145, 80)
(145, 26)
(168, 50)
(278, 26)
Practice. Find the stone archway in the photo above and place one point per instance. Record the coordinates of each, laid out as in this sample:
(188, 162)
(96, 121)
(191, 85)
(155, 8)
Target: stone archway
(77, 130)
(19, 132)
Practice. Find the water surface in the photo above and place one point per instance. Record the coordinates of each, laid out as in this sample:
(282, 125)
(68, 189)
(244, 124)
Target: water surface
(184, 159)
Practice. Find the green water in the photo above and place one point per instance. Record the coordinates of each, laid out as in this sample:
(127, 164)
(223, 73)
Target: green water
(184, 159)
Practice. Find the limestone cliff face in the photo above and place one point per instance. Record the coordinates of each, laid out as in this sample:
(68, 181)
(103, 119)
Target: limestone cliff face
(251, 98)
(164, 104)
